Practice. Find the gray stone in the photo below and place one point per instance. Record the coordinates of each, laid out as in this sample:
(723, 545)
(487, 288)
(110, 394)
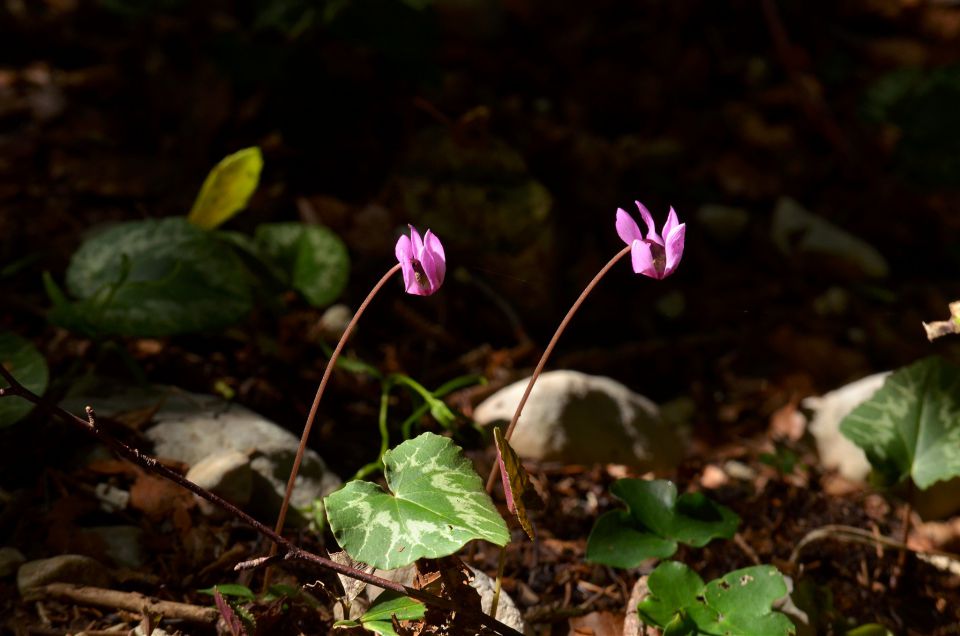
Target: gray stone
(227, 474)
(190, 427)
(573, 417)
(10, 560)
(123, 545)
(334, 321)
(836, 451)
(66, 568)
(798, 232)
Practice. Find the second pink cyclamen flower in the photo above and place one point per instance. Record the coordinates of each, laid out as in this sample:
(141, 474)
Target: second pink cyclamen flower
(422, 261)
(657, 255)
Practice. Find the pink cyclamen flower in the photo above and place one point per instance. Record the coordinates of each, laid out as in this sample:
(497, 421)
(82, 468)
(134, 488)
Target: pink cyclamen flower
(422, 261)
(655, 256)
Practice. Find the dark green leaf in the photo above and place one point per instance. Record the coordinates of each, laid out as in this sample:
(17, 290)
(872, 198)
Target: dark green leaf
(654, 522)
(24, 362)
(314, 259)
(154, 278)
(231, 590)
(737, 604)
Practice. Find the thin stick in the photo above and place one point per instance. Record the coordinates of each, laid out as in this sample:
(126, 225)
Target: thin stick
(282, 517)
(499, 581)
(857, 535)
(546, 352)
(292, 551)
(130, 601)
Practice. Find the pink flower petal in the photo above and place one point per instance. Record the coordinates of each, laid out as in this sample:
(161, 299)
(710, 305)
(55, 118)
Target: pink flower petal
(432, 243)
(627, 228)
(642, 259)
(674, 248)
(403, 249)
(648, 220)
(416, 241)
(410, 282)
(433, 276)
(671, 223)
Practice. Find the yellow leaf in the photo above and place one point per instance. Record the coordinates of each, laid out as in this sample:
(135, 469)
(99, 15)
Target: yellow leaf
(227, 188)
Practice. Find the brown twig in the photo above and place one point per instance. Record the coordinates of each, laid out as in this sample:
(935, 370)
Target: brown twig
(292, 551)
(129, 601)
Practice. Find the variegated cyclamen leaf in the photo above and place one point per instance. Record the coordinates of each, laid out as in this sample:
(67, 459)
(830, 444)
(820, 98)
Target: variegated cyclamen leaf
(516, 484)
(911, 425)
(436, 504)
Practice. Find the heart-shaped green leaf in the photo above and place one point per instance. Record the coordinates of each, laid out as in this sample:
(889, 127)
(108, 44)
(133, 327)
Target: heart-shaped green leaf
(315, 260)
(911, 426)
(436, 504)
(227, 189)
(737, 604)
(24, 362)
(154, 278)
(378, 618)
(654, 522)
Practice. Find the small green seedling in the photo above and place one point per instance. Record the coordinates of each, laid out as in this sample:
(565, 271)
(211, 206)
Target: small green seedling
(910, 428)
(736, 604)
(379, 618)
(435, 505)
(655, 521)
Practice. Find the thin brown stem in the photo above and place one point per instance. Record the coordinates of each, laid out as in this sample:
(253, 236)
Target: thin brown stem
(550, 346)
(282, 517)
(292, 552)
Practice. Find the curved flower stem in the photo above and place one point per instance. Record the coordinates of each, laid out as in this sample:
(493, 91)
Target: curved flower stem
(546, 352)
(282, 517)
(291, 551)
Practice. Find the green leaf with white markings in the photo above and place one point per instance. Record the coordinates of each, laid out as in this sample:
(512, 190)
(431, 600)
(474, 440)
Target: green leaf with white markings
(911, 425)
(378, 618)
(24, 362)
(436, 504)
(227, 189)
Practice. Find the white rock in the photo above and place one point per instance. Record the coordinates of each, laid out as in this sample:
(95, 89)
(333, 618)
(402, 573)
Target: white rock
(190, 427)
(798, 232)
(573, 417)
(227, 474)
(836, 451)
(65, 568)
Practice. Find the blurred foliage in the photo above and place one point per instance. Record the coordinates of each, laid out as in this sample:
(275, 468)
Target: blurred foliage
(22, 359)
(922, 104)
(170, 276)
